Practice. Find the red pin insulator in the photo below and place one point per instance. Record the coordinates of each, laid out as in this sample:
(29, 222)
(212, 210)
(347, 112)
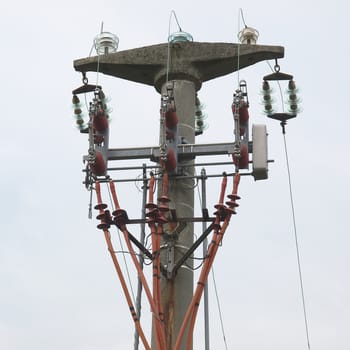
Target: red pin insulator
(169, 135)
(99, 166)
(232, 204)
(216, 224)
(243, 112)
(98, 139)
(103, 226)
(171, 119)
(170, 164)
(233, 197)
(221, 212)
(101, 216)
(160, 219)
(164, 199)
(163, 207)
(100, 121)
(105, 217)
(150, 206)
(230, 211)
(152, 212)
(243, 160)
(151, 221)
(119, 213)
(100, 206)
(120, 217)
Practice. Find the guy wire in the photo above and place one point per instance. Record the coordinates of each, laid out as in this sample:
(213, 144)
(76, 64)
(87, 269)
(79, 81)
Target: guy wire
(294, 224)
(297, 246)
(219, 308)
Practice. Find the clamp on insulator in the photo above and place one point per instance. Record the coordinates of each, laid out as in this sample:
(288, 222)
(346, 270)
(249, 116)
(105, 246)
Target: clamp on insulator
(152, 213)
(120, 217)
(105, 216)
(216, 224)
(160, 219)
(221, 212)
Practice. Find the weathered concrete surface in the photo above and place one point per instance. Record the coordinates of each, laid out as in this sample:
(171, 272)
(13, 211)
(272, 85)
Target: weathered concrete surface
(191, 61)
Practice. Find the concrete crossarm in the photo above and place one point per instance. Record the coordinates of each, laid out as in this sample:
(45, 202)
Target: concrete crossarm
(193, 61)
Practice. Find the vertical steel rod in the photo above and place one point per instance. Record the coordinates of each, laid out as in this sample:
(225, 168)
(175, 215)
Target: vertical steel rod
(141, 260)
(205, 247)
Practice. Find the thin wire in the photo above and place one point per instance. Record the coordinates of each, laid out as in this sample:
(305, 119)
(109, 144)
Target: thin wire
(239, 47)
(127, 269)
(242, 16)
(172, 13)
(127, 252)
(219, 308)
(122, 251)
(177, 22)
(98, 60)
(279, 86)
(297, 245)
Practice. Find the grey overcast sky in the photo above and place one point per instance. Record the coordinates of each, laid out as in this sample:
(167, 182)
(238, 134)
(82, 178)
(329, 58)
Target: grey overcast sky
(58, 289)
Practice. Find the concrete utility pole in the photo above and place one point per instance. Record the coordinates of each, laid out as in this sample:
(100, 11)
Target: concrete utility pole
(191, 64)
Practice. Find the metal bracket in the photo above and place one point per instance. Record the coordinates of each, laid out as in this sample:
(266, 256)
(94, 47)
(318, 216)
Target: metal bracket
(170, 254)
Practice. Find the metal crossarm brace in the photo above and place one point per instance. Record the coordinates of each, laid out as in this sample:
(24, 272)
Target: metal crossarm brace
(192, 249)
(140, 246)
(185, 151)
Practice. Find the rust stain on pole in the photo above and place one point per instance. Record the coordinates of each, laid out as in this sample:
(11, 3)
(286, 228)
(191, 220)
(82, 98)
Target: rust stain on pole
(169, 314)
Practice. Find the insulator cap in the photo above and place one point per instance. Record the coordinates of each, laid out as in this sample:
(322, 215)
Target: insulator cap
(75, 100)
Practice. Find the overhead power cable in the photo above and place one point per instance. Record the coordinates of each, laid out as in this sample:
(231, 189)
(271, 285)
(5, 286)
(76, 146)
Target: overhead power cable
(297, 244)
(123, 252)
